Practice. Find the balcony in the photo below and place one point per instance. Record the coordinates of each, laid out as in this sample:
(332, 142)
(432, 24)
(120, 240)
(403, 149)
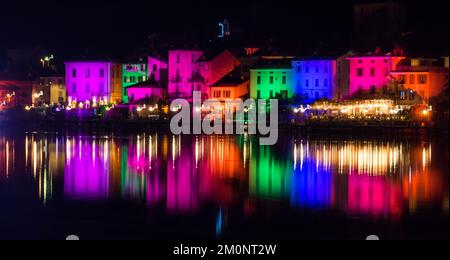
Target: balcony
(176, 79)
(196, 77)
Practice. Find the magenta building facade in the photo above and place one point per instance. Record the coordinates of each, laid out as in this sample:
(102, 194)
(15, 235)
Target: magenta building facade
(184, 74)
(145, 92)
(91, 82)
(371, 71)
(156, 68)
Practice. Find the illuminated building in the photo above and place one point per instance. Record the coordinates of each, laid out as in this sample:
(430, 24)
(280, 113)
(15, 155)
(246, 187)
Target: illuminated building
(146, 92)
(230, 87)
(272, 78)
(217, 64)
(342, 79)
(49, 90)
(15, 90)
(371, 72)
(184, 74)
(195, 71)
(93, 82)
(421, 76)
(157, 69)
(314, 78)
(132, 74)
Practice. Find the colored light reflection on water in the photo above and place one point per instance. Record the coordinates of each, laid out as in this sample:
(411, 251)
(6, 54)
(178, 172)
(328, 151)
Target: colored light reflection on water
(376, 179)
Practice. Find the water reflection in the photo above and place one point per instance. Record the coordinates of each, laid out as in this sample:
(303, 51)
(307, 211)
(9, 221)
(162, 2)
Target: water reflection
(7, 155)
(183, 174)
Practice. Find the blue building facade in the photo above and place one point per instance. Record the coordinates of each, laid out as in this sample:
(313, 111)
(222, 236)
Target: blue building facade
(314, 79)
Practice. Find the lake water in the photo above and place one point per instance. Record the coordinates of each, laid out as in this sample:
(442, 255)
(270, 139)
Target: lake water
(159, 186)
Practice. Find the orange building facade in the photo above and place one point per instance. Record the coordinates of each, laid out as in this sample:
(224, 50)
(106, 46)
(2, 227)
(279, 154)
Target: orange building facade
(232, 86)
(421, 76)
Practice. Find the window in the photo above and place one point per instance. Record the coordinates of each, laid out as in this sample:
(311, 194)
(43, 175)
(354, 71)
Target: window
(284, 80)
(307, 83)
(360, 61)
(102, 73)
(299, 69)
(101, 88)
(412, 95)
(317, 69)
(412, 79)
(317, 83)
(307, 69)
(88, 73)
(178, 58)
(271, 94)
(258, 80)
(259, 94)
(372, 72)
(326, 69)
(88, 88)
(284, 94)
(271, 79)
(415, 62)
(325, 83)
(74, 73)
(423, 79)
(402, 95)
(217, 94)
(317, 95)
(360, 72)
(74, 88)
(143, 67)
(132, 79)
(155, 67)
(227, 94)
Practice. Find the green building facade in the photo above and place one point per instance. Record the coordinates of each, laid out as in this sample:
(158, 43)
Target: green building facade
(133, 74)
(272, 82)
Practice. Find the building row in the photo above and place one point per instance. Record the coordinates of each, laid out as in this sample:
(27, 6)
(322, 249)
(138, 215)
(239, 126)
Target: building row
(228, 74)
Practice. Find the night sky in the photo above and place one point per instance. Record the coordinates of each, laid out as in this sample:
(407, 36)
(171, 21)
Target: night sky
(69, 28)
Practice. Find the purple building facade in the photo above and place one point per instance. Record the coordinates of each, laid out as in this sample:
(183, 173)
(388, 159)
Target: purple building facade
(92, 82)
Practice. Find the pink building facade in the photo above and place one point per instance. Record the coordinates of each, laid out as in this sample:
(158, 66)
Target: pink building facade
(196, 71)
(93, 82)
(372, 71)
(156, 68)
(145, 93)
(184, 74)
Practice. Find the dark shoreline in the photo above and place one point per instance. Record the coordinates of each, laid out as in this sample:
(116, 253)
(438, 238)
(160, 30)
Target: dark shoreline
(130, 127)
